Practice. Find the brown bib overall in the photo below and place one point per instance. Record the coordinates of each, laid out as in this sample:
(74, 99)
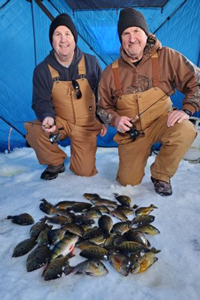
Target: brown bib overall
(77, 117)
(175, 140)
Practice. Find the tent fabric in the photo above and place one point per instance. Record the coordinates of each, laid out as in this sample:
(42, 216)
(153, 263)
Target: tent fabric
(24, 43)
(105, 4)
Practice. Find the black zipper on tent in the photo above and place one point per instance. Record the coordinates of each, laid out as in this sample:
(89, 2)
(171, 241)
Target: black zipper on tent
(170, 16)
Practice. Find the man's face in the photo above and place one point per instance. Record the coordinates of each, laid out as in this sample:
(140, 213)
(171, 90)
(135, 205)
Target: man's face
(63, 43)
(134, 40)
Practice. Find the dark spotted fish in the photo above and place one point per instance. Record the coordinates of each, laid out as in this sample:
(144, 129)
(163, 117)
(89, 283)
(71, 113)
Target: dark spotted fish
(105, 224)
(55, 268)
(22, 219)
(38, 258)
(95, 252)
(56, 235)
(120, 262)
(124, 200)
(38, 227)
(90, 267)
(24, 247)
(46, 207)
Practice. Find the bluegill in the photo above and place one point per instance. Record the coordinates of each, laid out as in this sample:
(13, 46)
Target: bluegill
(22, 219)
(142, 211)
(55, 268)
(38, 258)
(95, 252)
(24, 247)
(106, 224)
(120, 262)
(124, 200)
(90, 267)
(56, 235)
(74, 229)
(37, 228)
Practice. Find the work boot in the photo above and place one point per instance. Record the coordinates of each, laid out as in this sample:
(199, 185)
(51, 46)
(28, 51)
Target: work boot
(51, 172)
(163, 188)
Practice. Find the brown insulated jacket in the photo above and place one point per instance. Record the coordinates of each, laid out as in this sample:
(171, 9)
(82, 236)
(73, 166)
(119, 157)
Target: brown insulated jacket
(175, 72)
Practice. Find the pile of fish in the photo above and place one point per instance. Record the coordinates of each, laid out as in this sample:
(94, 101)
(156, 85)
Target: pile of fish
(102, 230)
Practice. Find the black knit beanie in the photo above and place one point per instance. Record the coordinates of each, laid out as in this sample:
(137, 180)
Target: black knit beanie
(63, 20)
(130, 17)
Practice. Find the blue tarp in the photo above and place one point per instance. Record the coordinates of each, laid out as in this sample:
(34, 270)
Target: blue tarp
(24, 43)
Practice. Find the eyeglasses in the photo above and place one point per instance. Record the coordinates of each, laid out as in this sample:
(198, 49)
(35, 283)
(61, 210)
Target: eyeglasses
(77, 89)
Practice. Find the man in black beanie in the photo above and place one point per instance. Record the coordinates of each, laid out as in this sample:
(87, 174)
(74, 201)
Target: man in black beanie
(64, 100)
(134, 92)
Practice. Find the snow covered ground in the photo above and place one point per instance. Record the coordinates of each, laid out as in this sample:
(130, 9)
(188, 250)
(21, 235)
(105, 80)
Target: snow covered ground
(176, 274)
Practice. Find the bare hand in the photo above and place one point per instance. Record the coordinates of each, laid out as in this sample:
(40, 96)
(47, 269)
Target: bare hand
(48, 125)
(176, 116)
(103, 130)
(123, 124)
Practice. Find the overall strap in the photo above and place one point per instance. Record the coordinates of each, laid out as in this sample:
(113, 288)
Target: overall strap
(117, 82)
(81, 67)
(54, 73)
(155, 73)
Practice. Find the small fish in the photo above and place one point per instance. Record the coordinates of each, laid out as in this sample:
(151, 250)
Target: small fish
(105, 202)
(93, 212)
(65, 213)
(56, 235)
(142, 211)
(148, 229)
(92, 233)
(119, 215)
(95, 252)
(105, 224)
(135, 264)
(124, 200)
(120, 262)
(37, 228)
(98, 240)
(65, 246)
(102, 208)
(83, 220)
(84, 244)
(55, 268)
(74, 229)
(80, 206)
(143, 220)
(65, 204)
(126, 210)
(121, 227)
(146, 261)
(24, 247)
(90, 196)
(90, 267)
(137, 236)
(128, 247)
(43, 238)
(22, 219)
(46, 207)
(56, 220)
(38, 258)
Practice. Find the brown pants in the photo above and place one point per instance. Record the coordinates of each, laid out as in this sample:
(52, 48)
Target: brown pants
(176, 140)
(83, 146)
